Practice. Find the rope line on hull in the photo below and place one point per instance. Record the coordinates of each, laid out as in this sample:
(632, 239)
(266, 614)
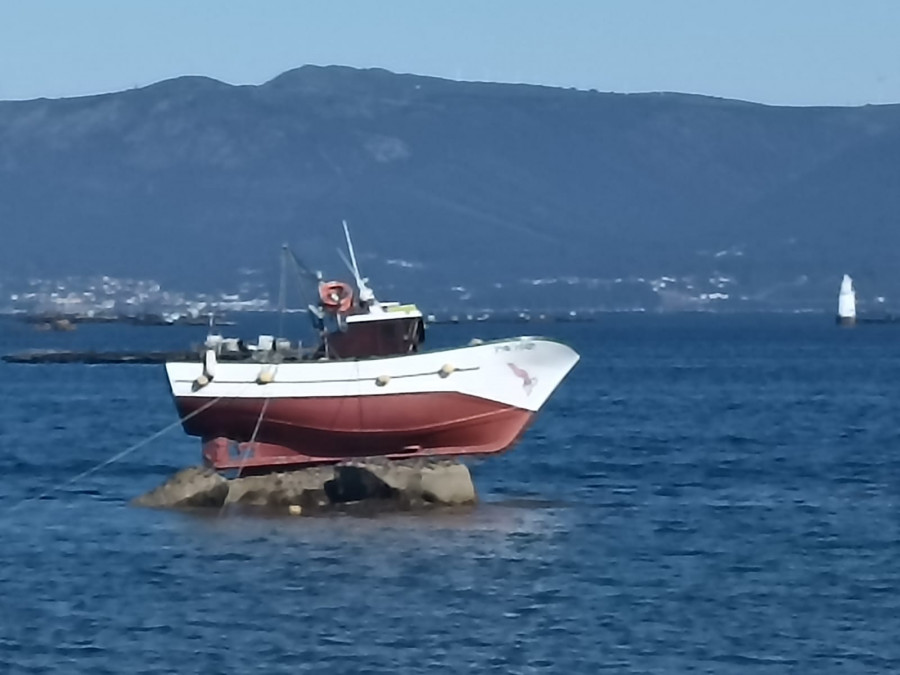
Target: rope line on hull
(262, 414)
(246, 455)
(348, 380)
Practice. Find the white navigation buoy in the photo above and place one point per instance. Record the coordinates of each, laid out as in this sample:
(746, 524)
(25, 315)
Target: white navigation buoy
(847, 302)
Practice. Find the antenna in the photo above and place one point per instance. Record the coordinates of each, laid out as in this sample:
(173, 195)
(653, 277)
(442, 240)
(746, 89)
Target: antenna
(366, 295)
(350, 248)
(346, 262)
(282, 289)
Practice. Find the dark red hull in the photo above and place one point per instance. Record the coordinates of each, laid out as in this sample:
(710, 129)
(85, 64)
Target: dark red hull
(298, 431)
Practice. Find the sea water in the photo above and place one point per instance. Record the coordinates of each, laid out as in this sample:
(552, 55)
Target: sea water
(704, 494)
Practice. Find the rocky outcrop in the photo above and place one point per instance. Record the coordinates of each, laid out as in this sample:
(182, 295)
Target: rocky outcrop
(194, 486)
(360, 485)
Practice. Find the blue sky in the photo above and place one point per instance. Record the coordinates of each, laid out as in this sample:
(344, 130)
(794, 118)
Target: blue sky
(792, 52)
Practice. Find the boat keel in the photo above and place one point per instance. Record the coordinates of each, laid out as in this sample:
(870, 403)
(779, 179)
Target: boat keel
(225, 454)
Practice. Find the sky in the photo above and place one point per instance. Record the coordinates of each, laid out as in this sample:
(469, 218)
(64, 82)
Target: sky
(782, 52)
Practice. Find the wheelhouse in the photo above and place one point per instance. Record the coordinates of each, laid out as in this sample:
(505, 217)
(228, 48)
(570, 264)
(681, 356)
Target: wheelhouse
(386, 329)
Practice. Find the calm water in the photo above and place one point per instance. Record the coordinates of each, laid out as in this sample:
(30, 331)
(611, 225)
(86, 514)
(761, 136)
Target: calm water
(703, 494)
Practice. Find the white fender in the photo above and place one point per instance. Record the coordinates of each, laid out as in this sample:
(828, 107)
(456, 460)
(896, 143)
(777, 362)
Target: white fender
(267, 374)
(209, 364)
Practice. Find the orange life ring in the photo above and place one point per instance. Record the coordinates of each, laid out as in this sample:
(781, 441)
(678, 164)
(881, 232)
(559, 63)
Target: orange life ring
(336, 296)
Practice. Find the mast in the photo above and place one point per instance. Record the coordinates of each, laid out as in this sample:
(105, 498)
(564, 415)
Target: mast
(366, 295)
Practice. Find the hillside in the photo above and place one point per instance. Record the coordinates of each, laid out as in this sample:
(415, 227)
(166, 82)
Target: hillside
(488, 187)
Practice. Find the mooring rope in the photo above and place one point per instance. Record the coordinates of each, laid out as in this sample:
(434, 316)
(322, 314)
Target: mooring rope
(262, 413)
(181, 420)
(118, 456)
(246, 455)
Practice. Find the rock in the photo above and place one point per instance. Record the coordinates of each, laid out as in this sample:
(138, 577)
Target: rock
(363, 485)
(305, 488)
(450, 483)
(194, 486)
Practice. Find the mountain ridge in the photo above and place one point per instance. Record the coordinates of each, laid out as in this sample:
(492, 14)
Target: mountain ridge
(478, 184)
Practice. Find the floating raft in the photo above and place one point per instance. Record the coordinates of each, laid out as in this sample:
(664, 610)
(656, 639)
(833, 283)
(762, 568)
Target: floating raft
(878, 319)
(95, 357)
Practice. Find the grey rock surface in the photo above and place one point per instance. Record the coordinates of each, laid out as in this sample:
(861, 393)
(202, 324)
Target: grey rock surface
(194, 486)
(359, 485)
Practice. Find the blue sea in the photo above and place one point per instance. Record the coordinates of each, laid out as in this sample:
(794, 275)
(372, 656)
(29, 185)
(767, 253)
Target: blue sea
(703, 494)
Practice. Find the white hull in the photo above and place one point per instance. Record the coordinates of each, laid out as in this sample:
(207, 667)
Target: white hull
(519, 372)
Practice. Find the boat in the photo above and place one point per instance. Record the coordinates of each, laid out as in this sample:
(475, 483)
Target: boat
(846, 315)
(364, 388)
